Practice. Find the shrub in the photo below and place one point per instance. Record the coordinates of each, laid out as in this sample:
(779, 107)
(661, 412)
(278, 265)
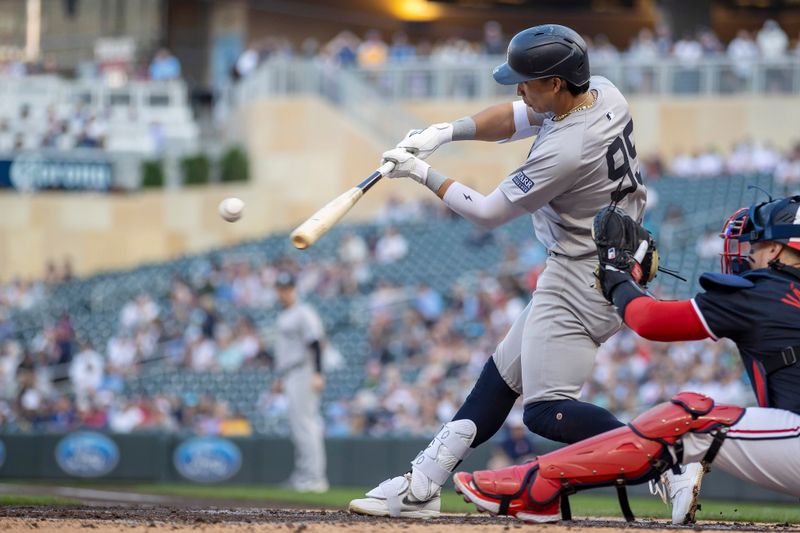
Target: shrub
(234, 166)
(152, 172)
(196, 169)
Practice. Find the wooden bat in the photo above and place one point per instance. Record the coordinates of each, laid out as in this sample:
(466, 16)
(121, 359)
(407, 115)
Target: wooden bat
(320, 222)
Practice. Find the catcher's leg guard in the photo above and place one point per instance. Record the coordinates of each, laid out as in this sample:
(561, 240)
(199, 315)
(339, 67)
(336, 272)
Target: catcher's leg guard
(624, 456)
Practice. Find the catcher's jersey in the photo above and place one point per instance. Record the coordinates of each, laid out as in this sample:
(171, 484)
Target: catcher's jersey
(575, 167)
(760, 314)
(297, 327)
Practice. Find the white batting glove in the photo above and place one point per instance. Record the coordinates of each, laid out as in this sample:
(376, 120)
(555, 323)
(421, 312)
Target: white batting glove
(406, 165)
(423, 143)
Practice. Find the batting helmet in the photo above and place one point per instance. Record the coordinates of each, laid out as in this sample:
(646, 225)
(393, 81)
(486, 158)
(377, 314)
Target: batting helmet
(776, 220)
(545, 51)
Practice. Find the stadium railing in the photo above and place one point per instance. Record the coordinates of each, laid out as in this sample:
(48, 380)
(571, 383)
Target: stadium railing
(471, 77)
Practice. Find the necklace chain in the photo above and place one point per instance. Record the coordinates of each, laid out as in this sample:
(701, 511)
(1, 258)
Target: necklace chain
(579, 107)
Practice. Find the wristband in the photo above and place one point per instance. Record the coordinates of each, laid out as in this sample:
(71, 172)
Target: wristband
(464, 129)
(434, 180)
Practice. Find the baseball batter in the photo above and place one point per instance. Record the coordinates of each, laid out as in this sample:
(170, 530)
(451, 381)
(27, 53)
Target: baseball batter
(755, 303)
(583, 158)
(298, 369)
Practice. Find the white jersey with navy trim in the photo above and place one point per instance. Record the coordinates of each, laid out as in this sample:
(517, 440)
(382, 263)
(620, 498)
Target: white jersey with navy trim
(298, 326)
(575, 167)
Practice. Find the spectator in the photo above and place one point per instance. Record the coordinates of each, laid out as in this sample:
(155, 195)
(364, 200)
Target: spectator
(391, 246)
(603, 51)
(772, 41)
(372, 52)
(122, 354)
(247, 62)
(516, 447)
(165, 66)
(86, 371)
(494, 42)
(353, 249)
(743, 53)
(400, 50)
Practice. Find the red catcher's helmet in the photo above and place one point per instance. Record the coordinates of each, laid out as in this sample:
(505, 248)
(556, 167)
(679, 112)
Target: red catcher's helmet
(776, 220)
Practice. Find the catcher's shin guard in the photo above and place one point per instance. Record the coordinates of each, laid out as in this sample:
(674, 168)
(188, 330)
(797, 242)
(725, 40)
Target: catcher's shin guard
(624, 456)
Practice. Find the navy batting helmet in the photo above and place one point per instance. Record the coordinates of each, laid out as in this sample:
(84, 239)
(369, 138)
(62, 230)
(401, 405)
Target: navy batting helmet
(776, 220)
(545, 51)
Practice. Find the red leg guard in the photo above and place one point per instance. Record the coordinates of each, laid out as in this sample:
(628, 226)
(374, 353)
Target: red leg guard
(627, 455)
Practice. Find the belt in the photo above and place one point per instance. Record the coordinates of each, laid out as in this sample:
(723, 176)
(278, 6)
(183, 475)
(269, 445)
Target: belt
(591, 255)
(788, 356)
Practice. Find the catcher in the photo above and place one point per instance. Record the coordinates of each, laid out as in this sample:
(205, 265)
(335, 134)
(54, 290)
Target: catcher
(756, 303)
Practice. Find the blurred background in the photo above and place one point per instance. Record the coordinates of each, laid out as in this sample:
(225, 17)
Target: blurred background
(129, 308)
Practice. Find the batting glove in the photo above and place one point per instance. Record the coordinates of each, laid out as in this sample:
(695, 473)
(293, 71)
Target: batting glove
(422, 143)
(406, 166)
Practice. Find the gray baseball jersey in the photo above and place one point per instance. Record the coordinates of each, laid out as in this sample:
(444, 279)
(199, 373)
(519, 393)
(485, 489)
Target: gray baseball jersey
(574, 169)
(298, 326)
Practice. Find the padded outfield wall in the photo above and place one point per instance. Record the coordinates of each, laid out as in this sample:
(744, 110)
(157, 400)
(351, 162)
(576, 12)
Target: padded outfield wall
(362, 462)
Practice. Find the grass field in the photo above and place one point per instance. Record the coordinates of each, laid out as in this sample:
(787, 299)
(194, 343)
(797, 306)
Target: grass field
(582, 505)
(13, 499)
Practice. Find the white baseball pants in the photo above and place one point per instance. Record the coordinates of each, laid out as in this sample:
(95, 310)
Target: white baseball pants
(763, 448)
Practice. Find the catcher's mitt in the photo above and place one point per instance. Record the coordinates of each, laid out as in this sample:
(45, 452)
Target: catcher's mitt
(623, 246)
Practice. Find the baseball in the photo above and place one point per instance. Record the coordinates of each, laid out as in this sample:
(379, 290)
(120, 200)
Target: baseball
(231, 209)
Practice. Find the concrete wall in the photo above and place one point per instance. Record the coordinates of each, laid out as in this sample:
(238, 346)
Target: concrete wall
(303, 153)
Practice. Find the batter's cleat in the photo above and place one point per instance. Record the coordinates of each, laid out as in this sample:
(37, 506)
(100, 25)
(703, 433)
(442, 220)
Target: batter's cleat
(508, 491)
(683, 491)
(417, 493)
(393, 498)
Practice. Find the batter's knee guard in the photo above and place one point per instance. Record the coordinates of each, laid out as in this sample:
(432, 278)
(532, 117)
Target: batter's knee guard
(624, 456)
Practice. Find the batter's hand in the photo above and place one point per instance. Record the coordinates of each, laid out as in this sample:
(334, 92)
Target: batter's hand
(423, 143)
(406, 165)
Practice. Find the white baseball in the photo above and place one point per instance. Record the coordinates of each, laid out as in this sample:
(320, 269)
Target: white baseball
(231, 209)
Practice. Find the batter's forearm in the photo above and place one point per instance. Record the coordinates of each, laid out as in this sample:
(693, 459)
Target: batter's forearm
(486, 211)
(494, 123)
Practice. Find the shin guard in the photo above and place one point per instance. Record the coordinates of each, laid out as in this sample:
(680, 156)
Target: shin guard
(624, 456)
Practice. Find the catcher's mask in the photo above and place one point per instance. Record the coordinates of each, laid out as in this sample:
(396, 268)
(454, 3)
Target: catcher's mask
(776, 220)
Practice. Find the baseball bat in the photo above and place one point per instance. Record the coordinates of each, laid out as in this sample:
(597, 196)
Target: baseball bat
(323, 220)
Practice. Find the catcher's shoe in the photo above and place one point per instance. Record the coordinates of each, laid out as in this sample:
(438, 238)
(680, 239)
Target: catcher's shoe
(683, 491)
(508, 491)
(394, 498)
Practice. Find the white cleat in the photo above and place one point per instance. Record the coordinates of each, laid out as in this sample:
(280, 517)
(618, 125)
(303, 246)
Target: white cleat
(393, 498)
(681, 491)
(417, 493)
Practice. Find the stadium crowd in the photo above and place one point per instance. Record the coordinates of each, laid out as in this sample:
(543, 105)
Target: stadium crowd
(347, 49)
(746, 157)
(425, 346)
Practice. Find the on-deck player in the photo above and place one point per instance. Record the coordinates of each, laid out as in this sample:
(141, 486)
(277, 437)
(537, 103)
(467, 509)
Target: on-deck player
(298, 369)
(756, 303)
(583, 157)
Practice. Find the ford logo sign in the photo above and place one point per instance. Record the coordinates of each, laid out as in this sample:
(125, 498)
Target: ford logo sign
(87, 454)
(207, 459)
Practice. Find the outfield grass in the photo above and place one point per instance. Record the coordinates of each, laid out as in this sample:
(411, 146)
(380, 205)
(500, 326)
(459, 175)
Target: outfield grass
(13, 499)
(582, 505)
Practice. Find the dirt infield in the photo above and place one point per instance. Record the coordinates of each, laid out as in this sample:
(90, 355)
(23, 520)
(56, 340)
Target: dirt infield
(235, 520)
